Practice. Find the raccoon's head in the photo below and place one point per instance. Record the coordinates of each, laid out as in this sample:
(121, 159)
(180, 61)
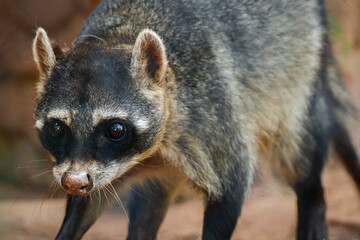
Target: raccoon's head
(100, 109)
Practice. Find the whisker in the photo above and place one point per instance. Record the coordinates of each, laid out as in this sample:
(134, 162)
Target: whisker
(30, 166)
(56, 187)
(109, 191)
(51, 187)
(122, 205)
(155, 166)
(129, 187)
(37, 175)
(116, 197)
(52, 190)
(107, 199)
(38, 160)
(99, 193)
(91, 200)
(85, 36)
(42, 201)
(19, 196)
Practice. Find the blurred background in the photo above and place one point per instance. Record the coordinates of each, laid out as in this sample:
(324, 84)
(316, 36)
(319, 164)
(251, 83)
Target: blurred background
(24, 165)
(21, 156)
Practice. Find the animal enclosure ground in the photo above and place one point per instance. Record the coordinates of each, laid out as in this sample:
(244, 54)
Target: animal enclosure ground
(268, 213)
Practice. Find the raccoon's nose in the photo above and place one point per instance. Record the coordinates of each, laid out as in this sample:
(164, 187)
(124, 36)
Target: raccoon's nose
(77, 183)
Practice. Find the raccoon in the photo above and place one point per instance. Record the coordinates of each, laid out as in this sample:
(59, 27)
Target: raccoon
(169, 94)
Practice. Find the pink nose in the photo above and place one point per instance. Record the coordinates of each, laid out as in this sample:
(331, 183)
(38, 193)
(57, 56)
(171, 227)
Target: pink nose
(77, 183)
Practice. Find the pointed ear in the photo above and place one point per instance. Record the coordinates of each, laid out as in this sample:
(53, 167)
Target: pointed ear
(149, 57)
(44, 52)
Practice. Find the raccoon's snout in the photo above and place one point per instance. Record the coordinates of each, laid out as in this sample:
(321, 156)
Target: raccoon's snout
(77, 183)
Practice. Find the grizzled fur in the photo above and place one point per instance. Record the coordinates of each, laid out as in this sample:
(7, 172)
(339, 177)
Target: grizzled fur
(203, 87)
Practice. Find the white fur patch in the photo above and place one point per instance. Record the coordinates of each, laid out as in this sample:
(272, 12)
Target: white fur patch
(101, 114)
(61, 114)
(141, 124)
(39, 124)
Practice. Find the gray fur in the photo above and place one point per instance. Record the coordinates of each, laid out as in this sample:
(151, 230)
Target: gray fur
(258, 43)
(236, 77)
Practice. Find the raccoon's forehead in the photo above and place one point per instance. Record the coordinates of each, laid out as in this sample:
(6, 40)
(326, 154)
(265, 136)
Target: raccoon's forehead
(91, 87)
(87, 75)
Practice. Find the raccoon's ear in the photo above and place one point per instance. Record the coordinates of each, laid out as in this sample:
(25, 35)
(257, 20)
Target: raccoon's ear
(149, 57)
(45, 53)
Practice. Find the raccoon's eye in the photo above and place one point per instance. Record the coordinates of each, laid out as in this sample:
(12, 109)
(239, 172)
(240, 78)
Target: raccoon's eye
(115, 131)
(55, 129)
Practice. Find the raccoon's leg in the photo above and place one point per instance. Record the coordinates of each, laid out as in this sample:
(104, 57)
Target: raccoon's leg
(81, 213)
(221, 215)
(147, 206)
(309, 190)
(344, 147)
(311, 209)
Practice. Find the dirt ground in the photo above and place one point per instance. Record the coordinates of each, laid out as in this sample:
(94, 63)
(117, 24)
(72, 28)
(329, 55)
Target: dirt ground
(268, 213)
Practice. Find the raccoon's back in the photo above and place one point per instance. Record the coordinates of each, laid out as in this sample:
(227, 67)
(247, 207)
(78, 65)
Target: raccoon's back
(259, 37)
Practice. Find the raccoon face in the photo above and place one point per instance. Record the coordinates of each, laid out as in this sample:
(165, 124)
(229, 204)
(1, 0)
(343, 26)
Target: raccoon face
(100, 109)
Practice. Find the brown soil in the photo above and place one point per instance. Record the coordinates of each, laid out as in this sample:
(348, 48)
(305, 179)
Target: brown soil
(268, 213)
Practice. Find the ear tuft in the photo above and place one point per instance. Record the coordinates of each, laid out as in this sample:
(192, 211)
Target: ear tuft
(43, 53)
(149, 57)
